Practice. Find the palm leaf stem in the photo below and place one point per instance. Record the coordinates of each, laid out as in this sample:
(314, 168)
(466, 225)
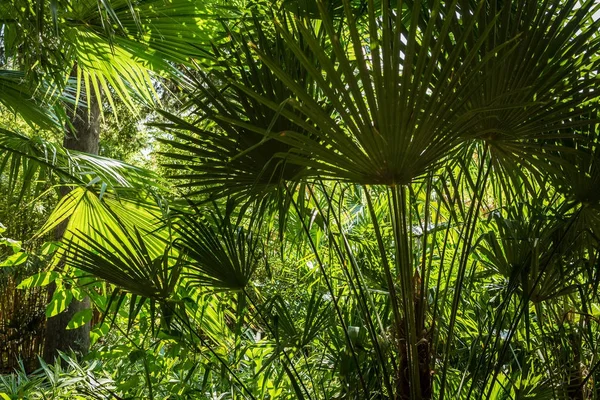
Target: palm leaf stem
(193, 330)
(399, 213)
(386, 264)
(329, 288)
(444, 249)
(550, 371)
(468, 231)
(362, 295)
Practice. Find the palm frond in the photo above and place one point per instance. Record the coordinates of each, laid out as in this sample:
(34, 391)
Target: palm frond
(222, 254)
(98, 216)
(396, 92)
(534, 103)
(36, 160)
(36, 107)
(118, 48)
(125, 260)
(238, 154)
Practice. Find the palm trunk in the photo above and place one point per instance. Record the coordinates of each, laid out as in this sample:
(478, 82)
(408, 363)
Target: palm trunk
(411, 365)
(83, 136)
(422, 359)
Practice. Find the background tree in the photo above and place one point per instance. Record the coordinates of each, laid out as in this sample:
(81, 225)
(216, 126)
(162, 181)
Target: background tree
(90, 52)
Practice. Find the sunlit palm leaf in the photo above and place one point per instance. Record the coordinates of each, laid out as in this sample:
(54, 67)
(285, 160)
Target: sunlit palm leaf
(36, 107)
(109, 47)
(147, 34)
(124, 260)
(99, 218)
(37, 159)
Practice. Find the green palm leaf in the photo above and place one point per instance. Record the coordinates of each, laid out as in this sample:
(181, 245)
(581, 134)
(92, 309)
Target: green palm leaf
(99, 216)
(534, 97)
(125, 260)
(36, 160)
(397, 102)
(222, 254)
(108, 47)
(36, 107)
(239, 154)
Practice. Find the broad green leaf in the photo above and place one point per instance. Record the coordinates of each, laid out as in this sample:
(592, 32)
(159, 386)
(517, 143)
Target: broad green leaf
(77, 293)
(14, 260)
(80, 318)
(49, 248)
(39, 279)
(98, 332)
(15, 245)
(60, 301)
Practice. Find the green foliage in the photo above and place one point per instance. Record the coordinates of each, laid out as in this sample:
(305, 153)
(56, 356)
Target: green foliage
(369, 200)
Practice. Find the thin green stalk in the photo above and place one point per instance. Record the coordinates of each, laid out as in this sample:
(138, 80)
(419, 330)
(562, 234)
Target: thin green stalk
(405, 272)
(192, 330)
(498, 321)
(469, 229)
(436, 303)
(424, 270)
(330, 288)
(547, 353)
(386, 265)
(361, 294)
(148, 379)
(523, 304)
(276, 336)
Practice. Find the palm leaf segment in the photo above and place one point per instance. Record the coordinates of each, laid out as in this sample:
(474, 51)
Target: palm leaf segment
(36, 106)
(135, 261)
(101, 215)
(419, 81)
(123, 259)
(579, 179)
(38, 160)
(109, 47)
(116, 239)
(239, 154)
(222, 254)
(538, 94)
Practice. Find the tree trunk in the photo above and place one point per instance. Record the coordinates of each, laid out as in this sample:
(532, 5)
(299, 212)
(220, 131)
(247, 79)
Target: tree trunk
(83, 136)
(423, 351)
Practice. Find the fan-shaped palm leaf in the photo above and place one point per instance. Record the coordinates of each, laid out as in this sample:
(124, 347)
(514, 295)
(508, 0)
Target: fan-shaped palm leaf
(397, 93)
(533, 96)
(96, 216)
(532, 250)
(239, 154)
(125, 260)
(222, 254)
(109, 47)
